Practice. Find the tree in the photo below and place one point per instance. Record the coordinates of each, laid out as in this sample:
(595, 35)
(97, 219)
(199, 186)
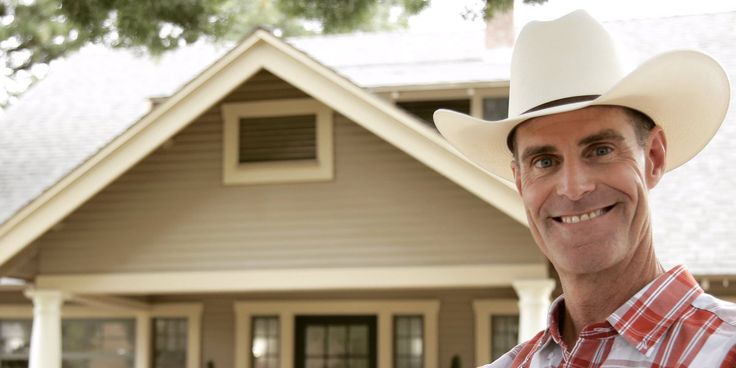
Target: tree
(35, 32)
(487, 9)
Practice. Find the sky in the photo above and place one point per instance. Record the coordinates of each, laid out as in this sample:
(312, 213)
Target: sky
(447, 12)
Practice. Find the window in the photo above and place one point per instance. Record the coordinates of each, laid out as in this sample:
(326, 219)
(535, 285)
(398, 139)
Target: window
(504, 334)
(313, 333)
(496, 328)
(425, 109)
(169, 342)
(495, 108)
(108, 339)
(335, 341)
(15, 343)
(408, 342)
(277, 141)
(265, 342)
(98, 343)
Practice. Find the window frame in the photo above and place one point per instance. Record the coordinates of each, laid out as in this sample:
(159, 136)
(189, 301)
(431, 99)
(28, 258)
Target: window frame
(483, 310)
(143, 325)
(396, 336)
(384, 310)
(288, 171)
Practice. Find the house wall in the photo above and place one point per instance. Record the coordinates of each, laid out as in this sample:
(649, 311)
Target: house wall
(456, 318)
(171, 212)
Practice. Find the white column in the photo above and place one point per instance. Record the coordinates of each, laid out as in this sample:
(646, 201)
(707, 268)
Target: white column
(46, 333)
(533, 305)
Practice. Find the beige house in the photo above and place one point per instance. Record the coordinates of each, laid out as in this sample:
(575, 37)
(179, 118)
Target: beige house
(286, 203)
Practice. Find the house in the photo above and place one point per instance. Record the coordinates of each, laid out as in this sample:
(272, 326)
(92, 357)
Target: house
(287, 203)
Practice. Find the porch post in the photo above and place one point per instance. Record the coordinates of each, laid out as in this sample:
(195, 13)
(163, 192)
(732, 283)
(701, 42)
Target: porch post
(533, 305)
(46, 333)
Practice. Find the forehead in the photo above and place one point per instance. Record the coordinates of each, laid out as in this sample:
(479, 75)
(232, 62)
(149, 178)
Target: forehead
(573, 125)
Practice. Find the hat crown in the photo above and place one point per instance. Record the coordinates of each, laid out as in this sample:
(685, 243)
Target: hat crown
(568, 57)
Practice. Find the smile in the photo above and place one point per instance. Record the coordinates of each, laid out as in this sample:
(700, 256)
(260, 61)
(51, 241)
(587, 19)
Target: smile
(574, 219)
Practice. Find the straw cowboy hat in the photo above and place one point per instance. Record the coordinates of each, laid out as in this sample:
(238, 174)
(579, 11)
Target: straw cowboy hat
(571, 63)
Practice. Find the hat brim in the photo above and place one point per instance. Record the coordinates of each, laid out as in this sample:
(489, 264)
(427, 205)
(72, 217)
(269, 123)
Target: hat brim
(686, 92)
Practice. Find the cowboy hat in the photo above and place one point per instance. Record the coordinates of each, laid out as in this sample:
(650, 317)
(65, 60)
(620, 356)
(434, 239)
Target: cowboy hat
(571, 63)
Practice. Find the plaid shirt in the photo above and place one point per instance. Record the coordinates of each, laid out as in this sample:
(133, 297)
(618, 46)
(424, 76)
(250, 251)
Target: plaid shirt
(669, 323)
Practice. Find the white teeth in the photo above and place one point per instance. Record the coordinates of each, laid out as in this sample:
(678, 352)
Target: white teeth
(584, 217)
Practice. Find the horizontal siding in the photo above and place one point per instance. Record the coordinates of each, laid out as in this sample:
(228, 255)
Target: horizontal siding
(456, 318)
(171, 212)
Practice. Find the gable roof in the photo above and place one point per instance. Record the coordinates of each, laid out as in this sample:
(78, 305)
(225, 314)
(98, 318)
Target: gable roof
(55, 126)
(146, 131)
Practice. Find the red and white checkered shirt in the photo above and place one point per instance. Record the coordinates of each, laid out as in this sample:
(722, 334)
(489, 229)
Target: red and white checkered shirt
(669, 323)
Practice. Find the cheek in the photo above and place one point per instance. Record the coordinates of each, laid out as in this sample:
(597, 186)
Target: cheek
(534, 195)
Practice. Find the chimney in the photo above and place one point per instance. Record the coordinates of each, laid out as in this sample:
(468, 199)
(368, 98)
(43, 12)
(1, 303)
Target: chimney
(500, 31)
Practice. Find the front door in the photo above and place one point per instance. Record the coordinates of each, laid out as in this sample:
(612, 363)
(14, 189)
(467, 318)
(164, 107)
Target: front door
(335, 342)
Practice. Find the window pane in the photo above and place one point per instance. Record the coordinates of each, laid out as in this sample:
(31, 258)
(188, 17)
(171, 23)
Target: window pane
(408, 341)
(358, 339)
(359, 363)
(495, 108)
(108, 343)
(504, 334)
(169, 342)
(336, 340)
(315, 340)
(15, 337)
(265, 342)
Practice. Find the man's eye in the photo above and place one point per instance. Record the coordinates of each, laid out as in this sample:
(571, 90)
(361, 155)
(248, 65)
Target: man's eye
(543, 163)
(602, 150)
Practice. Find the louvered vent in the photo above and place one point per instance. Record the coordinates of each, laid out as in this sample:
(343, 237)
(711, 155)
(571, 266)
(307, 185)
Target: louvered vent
(283, 138)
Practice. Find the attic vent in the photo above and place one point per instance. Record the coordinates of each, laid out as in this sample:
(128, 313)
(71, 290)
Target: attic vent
(277, 141)
(282, 138)
(424, 109)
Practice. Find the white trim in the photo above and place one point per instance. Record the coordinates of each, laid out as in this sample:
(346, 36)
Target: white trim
(191, 311)
(259, 51)
(320, 169)
(487, 275)
(483, 310)
(384, 310)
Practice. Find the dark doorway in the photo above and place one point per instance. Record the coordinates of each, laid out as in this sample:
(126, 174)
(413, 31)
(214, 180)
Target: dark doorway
(335, 342)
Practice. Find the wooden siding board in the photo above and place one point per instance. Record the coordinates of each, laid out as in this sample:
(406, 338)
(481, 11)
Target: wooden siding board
(172, 212)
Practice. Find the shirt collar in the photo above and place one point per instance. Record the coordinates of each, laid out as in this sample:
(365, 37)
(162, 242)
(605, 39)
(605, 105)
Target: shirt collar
(644, 318)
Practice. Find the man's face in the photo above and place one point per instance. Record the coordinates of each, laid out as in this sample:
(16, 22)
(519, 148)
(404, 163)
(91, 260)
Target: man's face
(584, 180)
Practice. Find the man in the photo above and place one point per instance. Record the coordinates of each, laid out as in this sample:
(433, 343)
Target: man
(587, 141)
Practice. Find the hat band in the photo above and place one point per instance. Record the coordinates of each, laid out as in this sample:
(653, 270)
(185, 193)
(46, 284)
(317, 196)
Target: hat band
(562, 101)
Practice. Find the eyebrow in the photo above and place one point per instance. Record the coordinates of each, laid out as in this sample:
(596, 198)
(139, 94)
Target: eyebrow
(603, 135)
(537, 150)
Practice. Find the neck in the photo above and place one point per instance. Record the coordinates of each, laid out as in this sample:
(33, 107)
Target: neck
(591, 298)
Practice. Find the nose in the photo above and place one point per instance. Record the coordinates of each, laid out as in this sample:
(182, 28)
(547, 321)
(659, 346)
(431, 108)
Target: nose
(575, 180)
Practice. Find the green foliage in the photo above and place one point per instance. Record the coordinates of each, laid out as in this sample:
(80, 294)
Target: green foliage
(35, 32)
(492, 7)
(346, 15)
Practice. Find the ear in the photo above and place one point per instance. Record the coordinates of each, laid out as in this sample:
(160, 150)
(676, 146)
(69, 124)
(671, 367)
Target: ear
(517, 175)
(656, 156)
